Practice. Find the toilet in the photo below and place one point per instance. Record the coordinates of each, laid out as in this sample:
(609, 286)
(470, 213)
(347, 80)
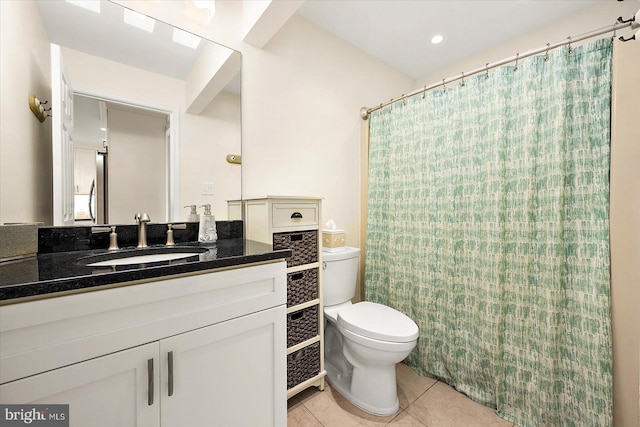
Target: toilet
(362, 341)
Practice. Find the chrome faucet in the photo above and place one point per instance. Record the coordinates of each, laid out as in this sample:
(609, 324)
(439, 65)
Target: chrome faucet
(142, 220)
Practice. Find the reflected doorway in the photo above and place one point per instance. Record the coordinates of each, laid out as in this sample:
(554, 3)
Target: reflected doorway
(121, 161)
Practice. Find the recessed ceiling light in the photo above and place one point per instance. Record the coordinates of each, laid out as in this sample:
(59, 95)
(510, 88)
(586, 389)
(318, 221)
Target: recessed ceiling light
(139, 20)
(187, 39)
(92, 5)
(437, 39)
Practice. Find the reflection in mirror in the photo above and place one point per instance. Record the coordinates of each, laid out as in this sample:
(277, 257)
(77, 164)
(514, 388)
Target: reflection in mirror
(153, 119)
(111, 140)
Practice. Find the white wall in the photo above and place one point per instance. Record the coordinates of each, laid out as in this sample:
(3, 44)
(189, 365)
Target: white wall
(137, 164)
(301, 126)
(206, 140)
(25, 143)
(625, 234)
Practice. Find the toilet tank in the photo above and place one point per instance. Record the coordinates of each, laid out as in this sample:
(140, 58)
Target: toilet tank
(340, 272)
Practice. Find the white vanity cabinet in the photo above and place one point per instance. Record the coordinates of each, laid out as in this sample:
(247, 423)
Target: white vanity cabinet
(113, 390)
(294, 223)
(199, 350)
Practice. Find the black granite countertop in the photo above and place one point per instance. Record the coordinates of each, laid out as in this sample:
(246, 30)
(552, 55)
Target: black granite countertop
(50, 274)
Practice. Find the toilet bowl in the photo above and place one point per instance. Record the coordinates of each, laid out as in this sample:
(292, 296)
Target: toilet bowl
(363, 341)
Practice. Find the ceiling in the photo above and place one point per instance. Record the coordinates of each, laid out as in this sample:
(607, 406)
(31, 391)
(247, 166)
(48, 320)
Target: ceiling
(105, 34)
(399, 32)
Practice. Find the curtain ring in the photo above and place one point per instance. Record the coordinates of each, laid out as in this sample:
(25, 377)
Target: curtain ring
(516, 68)
(546, 55)
(486, 74)
(570, 48)
(404, 101)
(462, 79)
(424, 91)
(444, 87)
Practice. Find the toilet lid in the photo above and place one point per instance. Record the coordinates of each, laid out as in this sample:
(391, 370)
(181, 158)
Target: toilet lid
(378, 321)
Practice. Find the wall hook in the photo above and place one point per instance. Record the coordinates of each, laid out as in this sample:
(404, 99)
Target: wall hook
(235, 159)
(36, 107)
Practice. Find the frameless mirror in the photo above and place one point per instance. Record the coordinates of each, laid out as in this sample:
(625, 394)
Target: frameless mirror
(155, 112)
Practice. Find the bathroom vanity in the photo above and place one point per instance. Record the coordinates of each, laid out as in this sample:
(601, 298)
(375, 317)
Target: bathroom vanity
(190, 343)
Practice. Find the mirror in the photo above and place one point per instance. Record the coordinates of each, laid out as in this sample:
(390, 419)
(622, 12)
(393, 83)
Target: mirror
(134, 89)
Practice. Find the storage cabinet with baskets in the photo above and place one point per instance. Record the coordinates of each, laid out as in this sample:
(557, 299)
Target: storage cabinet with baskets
(294, 223)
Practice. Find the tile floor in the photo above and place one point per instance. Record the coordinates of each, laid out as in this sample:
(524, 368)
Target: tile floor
(423, 402)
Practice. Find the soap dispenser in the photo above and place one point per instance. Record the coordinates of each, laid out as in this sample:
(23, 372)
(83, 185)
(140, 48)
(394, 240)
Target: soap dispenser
(193, 215)
(207, 232)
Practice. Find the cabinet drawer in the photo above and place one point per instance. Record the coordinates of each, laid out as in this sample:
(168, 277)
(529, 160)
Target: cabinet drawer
(304, 245)
(295, 215)
(303, 364)
(302, 286)
(302, 325)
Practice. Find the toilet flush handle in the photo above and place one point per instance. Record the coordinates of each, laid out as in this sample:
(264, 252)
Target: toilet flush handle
(324, 265)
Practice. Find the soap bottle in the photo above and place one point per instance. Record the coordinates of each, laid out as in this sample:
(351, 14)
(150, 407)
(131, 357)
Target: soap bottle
(207, 231)
(193, 215)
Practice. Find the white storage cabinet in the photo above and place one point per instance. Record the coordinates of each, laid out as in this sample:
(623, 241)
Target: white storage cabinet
(294, 223)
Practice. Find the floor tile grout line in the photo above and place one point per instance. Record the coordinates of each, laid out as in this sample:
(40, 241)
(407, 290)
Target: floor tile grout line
(422, 394)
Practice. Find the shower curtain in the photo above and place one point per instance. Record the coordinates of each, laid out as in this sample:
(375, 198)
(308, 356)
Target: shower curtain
(488, 207)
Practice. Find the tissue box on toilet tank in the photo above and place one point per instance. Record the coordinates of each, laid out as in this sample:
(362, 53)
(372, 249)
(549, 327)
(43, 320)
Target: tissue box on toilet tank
(333, 240)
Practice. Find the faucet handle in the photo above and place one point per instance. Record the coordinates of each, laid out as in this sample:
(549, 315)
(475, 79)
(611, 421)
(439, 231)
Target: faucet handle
(170, 228)
(141, 217)
(113, 237)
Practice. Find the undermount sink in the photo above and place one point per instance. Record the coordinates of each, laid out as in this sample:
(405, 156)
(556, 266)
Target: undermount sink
(145, 256)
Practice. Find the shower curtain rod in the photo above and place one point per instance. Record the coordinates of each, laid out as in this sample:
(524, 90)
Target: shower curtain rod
(620, 24)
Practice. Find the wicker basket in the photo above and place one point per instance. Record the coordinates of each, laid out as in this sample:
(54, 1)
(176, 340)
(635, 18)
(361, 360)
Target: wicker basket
(304, 245)
(303, 364)
(302, 325)
(302, 286)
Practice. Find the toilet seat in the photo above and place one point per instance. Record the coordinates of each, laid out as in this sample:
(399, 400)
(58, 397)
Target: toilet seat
(377, 322)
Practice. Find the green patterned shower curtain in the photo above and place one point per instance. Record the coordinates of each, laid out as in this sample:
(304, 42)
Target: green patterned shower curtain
(488, 225)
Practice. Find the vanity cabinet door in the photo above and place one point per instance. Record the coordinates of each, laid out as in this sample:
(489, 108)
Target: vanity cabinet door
(229, 374)
(112, 390)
